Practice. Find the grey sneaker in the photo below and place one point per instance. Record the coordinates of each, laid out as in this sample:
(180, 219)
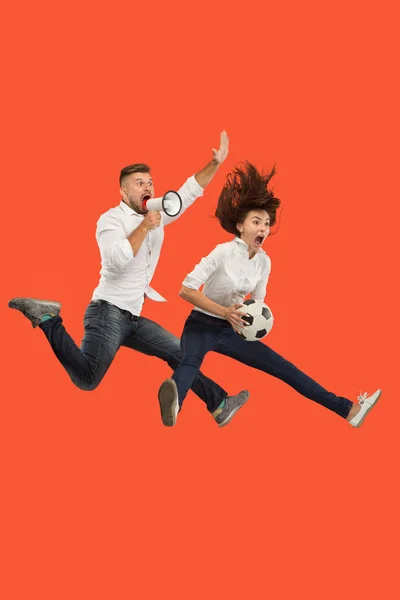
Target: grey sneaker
(34, 309)
(169, 403)
(232, 405)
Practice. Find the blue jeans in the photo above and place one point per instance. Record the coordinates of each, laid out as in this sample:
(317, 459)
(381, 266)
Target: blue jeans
(107, 328)
(203, 333)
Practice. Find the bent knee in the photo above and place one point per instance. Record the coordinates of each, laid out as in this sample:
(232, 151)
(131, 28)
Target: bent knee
(86, 386)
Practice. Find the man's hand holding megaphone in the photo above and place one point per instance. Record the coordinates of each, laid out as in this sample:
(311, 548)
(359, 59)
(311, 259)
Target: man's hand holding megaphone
(152, 220)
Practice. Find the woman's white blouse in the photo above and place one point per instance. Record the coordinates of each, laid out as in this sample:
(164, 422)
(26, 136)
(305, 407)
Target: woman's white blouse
(229, 275)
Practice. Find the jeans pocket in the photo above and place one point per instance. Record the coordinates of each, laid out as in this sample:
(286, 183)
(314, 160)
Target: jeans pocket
(113, 314)
(92, 314)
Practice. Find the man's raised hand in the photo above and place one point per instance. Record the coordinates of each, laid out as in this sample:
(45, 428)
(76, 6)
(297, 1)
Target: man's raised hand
(222, 152)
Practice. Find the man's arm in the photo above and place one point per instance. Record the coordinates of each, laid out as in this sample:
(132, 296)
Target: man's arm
(137, 237)
(194, 186)
(204, 176)
(117, 249)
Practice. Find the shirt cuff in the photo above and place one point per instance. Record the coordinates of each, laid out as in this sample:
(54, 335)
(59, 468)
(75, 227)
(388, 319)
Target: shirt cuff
(194, 187)
(127, 249)
(192, 282)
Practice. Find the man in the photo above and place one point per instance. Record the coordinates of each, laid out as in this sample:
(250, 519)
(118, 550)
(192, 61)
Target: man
(130, 240)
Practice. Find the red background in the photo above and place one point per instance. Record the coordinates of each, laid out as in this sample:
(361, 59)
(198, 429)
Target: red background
(288, 501)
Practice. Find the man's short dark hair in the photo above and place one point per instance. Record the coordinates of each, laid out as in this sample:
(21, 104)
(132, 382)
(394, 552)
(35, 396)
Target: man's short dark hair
(136, 168)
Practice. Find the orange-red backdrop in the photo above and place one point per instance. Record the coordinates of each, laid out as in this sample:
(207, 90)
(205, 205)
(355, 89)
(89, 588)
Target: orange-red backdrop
(288, 501)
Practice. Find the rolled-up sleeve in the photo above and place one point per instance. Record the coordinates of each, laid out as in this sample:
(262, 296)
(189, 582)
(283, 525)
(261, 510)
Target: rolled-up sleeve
(260, 290)
(188, 193)
(115, 248)
(205, 269)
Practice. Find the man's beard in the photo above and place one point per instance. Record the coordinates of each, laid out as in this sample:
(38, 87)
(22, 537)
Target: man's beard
(138, 208)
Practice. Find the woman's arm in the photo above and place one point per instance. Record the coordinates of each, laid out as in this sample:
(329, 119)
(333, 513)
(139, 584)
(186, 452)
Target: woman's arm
(199, 300)
(261, 288)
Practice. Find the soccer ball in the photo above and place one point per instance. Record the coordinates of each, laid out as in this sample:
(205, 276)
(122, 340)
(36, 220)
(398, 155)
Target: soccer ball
(259, 318)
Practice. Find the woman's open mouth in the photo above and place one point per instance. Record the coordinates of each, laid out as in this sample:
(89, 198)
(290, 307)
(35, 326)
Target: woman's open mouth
(259, 240)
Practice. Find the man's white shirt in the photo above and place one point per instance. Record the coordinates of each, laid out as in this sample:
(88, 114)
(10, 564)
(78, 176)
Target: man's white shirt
(125, 278)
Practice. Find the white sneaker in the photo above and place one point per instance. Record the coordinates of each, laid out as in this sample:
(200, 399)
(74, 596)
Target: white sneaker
(169, 403)
(366, 402)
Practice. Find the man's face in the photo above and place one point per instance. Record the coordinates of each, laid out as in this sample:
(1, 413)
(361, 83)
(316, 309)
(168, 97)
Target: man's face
(135, 188)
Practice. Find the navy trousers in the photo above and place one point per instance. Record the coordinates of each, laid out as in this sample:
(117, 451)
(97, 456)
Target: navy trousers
(203, 333)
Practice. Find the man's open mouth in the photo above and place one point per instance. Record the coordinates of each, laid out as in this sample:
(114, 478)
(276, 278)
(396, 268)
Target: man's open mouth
(145, 198)
(259, 240)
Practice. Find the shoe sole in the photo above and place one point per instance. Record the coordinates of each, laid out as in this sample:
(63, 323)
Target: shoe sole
(229, 417)
(168, 399)
(367, 411)
(233, 413)
(51, 305)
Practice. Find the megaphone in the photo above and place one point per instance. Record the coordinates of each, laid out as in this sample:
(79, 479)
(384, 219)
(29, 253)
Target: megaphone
(170, 203)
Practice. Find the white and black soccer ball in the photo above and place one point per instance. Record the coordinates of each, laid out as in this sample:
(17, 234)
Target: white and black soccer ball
(259, 318)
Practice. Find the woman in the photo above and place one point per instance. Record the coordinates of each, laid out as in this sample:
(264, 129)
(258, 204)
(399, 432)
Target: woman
(246, 208)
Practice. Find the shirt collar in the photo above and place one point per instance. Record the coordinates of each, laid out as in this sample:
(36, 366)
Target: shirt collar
(240, 242)
(128, 210)
(245, 247)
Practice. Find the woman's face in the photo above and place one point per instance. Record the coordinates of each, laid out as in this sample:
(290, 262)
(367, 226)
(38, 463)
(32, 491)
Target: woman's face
(254, 229)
